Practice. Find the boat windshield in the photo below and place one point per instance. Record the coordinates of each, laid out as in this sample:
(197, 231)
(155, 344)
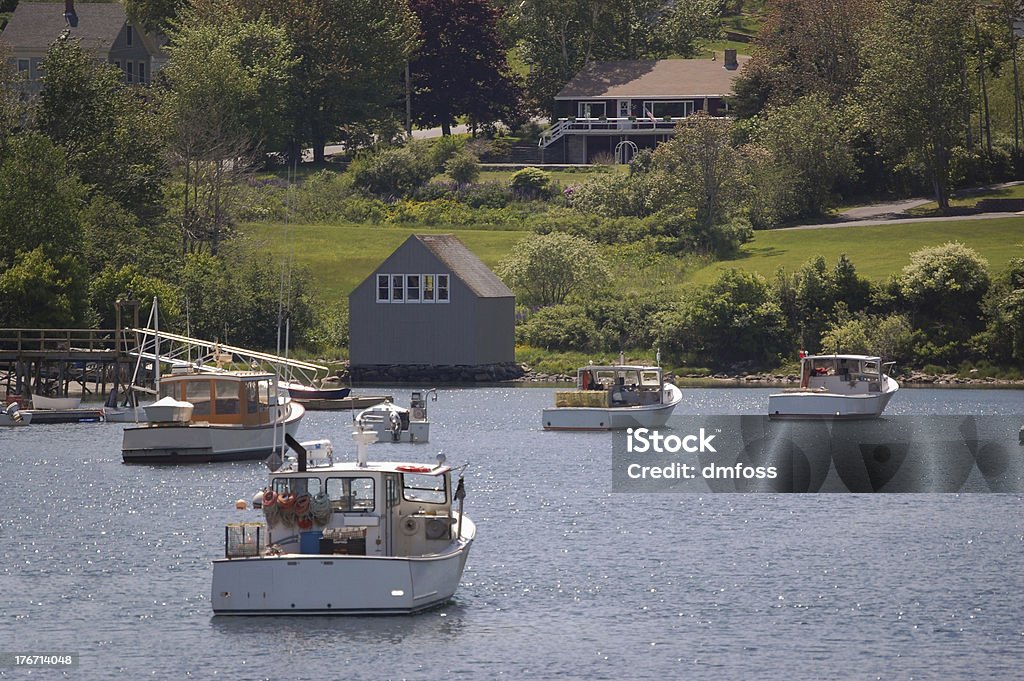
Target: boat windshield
(428, 489)
(650, 378)
(351, 494)
(297, 486)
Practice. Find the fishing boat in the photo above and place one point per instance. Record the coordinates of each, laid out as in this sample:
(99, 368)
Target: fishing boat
(345, 538)
(612, 397)
(12, 415)
(202, 417)
(56, 403)
(392, 423)
(836, 387)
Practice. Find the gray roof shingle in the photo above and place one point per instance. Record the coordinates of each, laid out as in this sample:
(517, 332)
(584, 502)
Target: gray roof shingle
(653, 79)
(465, 265)
(35, 25)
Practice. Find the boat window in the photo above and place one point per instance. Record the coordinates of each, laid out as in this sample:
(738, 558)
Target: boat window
(605, 379)
(429, 489)
(351, 494)
(251, 397)
(265, 394)
(226, 394)
(171, 390)
(297, 486)
(870, 367)
(649, 378)
(198, 393)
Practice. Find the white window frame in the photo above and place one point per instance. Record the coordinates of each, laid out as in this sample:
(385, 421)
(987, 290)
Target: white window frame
(398, 288)
(591, 109)
(625, 108)
(432, 289)
(410, 288)
(386, 287)
(142, 72)
(649, 107)
(446, 286)
(129, 69)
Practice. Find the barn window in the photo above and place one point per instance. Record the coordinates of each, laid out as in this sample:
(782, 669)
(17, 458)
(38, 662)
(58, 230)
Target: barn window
(397, 288)
(428, 288)
(383, 288)
(442, 288)
(412, 288)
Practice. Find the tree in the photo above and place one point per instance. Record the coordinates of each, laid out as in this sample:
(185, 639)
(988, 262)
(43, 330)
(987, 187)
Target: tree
(154, 15)
(39, 200)
(43, 291)
(460, 67)
(228, 80)
(888, 337)
(732, 320)
(561, 37)
(110, 135)
(14, 110)
(546, 269)
(1004, 312)
(911, 93)
(810, 139)
(804, 47)
(351, 54)
(944, 286)
(700, 166)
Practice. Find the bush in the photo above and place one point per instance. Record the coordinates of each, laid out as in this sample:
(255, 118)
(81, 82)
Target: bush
(531, 183)
(393, 172)
(561, 327)
(487, 195)
(463, 167)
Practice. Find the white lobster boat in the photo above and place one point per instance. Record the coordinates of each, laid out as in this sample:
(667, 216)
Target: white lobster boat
(836, 387)
(12, 415)
(392, 423)
(56, 403)
(346, 538)
(613, 397)
(204, 417)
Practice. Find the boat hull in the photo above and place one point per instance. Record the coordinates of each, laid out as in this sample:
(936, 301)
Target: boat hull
(7, 420)
(817, 405)
(56, 403)
(204, 442)
(328, 584)
(612, 418)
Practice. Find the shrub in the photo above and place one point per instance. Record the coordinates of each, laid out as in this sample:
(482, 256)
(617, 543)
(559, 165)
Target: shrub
(392, 172)
(463, 167)
(531, 183)
(561, 327)
(487, 195)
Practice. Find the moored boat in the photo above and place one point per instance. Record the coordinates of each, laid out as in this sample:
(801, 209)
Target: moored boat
(613, 397)
(306, 393)
(392, 423)
(204, 417)
(56, 403)
(346, 538)
(836, 387)
(13, 415)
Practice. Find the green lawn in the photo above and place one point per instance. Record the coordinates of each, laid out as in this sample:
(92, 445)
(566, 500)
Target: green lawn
(341, 256)
(876, 250)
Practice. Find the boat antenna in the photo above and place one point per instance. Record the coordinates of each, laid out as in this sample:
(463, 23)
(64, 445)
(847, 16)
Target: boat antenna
(657, 357)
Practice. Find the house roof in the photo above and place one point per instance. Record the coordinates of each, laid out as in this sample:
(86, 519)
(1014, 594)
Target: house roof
(35, 25)
(465, 265)
(653, 78)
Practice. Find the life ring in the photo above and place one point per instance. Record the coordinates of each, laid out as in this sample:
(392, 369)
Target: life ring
(269, 498)
(286, 500)
(302, 504)
(413, 469)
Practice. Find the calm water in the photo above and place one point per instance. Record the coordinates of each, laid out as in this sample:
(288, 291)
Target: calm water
(565, 580)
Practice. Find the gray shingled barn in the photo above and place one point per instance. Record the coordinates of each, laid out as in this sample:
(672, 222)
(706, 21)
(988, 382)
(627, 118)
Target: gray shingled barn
(432, 311)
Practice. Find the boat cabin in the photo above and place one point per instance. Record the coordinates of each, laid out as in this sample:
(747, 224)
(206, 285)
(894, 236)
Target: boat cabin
(821, 372)
(380, 509)
(624, 385)
(238, 397)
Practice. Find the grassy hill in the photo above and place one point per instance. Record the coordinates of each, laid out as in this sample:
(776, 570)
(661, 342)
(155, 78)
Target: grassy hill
(341, 256)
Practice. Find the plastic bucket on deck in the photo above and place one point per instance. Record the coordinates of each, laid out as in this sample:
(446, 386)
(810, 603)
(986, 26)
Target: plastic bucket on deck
(309, 542)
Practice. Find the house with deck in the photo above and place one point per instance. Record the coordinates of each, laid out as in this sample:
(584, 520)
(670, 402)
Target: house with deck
(102, 28)
(612, 109)
(432, 311)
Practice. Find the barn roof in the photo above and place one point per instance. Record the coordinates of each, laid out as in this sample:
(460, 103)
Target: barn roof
(465, 265)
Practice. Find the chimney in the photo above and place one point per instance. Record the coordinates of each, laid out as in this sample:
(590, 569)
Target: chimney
(730, 58)
(69, 13)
